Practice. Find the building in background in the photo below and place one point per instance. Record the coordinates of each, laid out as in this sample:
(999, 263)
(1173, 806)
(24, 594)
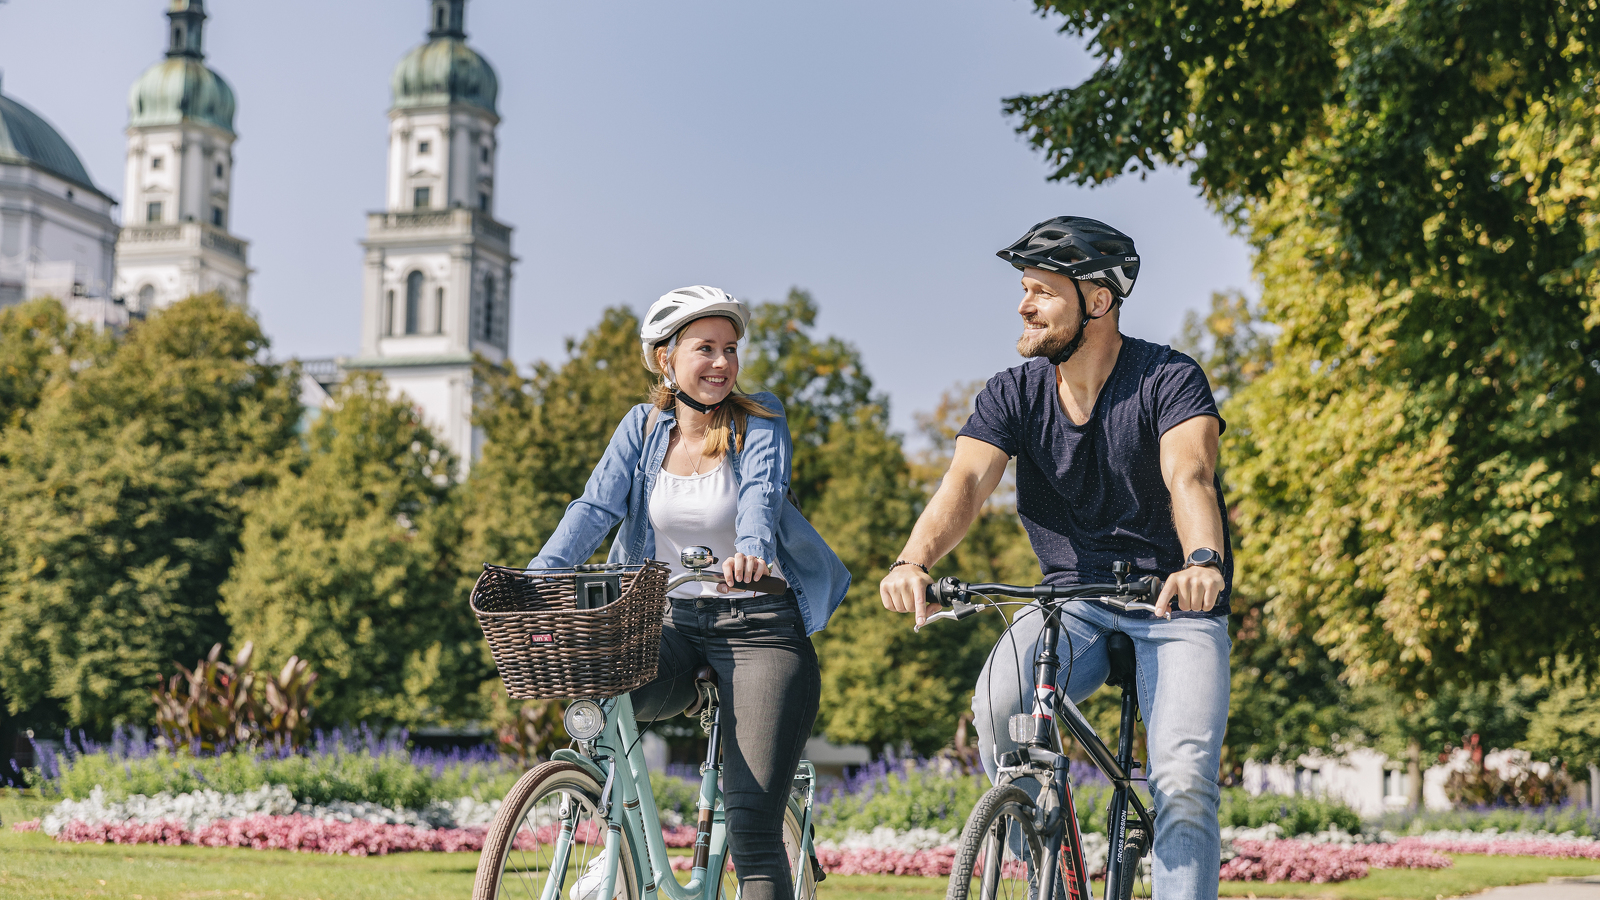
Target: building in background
(438, 265)
(175, 239)
(56, 231)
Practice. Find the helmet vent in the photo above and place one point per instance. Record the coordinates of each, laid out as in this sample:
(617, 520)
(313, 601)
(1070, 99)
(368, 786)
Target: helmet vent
(664, 313)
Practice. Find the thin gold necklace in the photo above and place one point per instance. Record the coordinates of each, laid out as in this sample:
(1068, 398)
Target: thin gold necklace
(701, 457)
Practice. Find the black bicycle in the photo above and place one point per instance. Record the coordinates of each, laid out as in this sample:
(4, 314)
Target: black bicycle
(1011, 838)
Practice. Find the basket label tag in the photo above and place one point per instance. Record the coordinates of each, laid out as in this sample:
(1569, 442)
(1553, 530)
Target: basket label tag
(546, 638)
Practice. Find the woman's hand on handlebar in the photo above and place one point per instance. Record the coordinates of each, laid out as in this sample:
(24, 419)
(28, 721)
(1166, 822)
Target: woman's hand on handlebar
(741, 568)
(905, 590)
(1195, 588)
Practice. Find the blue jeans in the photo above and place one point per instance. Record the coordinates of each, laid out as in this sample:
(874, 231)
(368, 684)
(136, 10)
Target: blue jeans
(1184, 720)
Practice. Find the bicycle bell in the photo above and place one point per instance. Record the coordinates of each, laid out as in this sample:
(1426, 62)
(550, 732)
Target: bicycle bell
(697, 558)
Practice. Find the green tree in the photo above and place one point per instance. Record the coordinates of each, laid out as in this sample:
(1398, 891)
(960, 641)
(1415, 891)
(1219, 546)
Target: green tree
(39, 344)
(121, 506)
(1565, 723)
(543, 435)
(1417, 478)
(819, 381)
(350, 564)
(883, 683)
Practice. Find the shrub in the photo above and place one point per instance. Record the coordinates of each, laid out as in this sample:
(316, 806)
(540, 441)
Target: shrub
(901, 795)
(336, 766)
(1294, 814)
(216, 707)
(1553, 819)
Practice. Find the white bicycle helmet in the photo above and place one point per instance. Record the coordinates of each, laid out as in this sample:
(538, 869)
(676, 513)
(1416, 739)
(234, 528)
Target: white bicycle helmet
(682, 306)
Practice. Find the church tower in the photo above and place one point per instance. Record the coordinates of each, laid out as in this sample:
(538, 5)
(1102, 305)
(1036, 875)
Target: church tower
(438, 265)
(175, 238)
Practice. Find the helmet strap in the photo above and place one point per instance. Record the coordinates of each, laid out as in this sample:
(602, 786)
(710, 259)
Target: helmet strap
(694, 404)
(1083, 322)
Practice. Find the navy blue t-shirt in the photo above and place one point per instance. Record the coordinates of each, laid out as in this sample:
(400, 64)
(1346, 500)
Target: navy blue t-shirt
(1092, 494)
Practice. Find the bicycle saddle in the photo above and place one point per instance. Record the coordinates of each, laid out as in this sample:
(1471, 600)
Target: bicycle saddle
(706, 673)
(1119, 650)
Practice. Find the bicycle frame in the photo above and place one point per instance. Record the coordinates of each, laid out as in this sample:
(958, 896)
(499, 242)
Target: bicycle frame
(1035, 756)
(1049, 704)
(628, 804)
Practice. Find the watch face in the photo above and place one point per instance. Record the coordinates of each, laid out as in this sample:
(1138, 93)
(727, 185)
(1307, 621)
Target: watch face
(1205, 556)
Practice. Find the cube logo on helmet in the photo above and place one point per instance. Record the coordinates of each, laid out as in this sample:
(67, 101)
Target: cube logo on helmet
(1080, 248)
(682, 306)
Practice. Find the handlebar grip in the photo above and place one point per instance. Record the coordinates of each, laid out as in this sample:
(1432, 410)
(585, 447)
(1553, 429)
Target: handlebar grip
(766, 584)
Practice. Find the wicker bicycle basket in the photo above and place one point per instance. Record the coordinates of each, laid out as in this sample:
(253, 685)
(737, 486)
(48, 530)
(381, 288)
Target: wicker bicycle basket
(546, 648)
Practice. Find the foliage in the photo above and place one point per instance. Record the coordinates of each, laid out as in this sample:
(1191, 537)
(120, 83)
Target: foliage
(1231, 343)
(1579, 820)
(901, 797)
(1295, 814)
(40, 345)
(678, 795)
(336, 766)
(1423, 458)
(215, 706)
(821, 383)
(121, 505)
(1565, 723)
(531, 732)
(544, 433)
(350, 564)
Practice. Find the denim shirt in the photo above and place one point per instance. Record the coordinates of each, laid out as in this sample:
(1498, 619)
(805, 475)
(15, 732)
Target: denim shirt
(767, 525)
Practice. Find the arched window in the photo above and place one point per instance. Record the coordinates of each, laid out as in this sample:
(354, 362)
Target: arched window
(488, 307)
(438, 311)
(413, 303)
(388, 314)
(147, 298)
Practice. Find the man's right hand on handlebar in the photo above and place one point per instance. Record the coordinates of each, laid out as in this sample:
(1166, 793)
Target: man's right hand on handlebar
(905, 589)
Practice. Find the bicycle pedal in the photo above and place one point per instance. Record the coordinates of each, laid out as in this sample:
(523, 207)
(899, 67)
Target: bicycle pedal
(817, 875)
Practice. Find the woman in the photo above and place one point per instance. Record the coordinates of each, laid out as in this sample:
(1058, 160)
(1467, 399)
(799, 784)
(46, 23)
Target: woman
(703, 465)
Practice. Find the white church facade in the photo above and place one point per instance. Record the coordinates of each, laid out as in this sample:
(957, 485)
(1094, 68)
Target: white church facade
(57, 234)
(438, 264)
(437, 282)
(175, 239)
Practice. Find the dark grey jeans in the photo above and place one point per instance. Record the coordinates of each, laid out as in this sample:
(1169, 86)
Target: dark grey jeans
(769, 684)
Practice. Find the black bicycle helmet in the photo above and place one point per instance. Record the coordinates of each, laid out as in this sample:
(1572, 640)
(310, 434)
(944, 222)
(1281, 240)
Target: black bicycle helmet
(1079, 248)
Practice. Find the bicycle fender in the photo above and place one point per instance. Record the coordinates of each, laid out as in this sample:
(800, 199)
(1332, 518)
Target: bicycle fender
(569, 755)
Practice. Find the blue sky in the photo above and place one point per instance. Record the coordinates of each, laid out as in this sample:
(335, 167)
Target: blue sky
(856, 149)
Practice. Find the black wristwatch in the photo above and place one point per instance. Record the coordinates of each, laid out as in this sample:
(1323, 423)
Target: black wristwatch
(1204, 556)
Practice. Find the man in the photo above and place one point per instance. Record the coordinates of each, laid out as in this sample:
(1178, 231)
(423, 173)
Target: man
(1116, 447)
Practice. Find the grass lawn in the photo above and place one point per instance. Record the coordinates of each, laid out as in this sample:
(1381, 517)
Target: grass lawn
(34, 866)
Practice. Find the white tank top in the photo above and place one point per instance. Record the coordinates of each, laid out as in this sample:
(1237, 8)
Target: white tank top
(695, 511)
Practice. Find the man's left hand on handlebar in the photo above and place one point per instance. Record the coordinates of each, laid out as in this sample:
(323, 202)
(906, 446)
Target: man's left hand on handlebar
(1192, 589)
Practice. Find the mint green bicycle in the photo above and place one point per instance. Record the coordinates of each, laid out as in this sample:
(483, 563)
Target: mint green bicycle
(584, 826)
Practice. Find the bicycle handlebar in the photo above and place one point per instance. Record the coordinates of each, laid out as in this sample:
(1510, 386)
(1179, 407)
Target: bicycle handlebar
(766, 584)
(952, 592)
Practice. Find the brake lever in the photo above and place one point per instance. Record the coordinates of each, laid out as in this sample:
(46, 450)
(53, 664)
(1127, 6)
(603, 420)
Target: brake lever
(959, 609)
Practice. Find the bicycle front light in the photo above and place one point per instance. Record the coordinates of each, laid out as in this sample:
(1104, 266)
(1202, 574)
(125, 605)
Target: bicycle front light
(585, 720)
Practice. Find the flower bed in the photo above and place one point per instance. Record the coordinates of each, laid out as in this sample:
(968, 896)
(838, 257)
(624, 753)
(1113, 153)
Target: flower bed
(1305, 861)
(1492, 844)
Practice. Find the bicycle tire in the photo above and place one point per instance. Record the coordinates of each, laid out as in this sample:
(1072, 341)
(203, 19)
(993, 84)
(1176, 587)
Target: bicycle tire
(728, 887)
(1135, 846)
(1000, 810)
(531, 795)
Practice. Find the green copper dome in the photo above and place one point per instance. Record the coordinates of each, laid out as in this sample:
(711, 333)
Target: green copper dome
(180, 88)
(445, 70)
(26, 139)
(442, 72)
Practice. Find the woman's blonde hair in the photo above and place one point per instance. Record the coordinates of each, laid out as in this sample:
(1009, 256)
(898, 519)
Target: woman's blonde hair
(730, 416)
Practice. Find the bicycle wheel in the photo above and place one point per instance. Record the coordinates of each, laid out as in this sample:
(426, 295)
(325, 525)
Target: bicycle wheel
(728, 888)
(522, 852)
(1000, 850)
(1135, 881)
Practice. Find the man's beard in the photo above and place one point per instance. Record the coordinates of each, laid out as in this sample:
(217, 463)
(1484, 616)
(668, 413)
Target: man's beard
(1054, 346)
